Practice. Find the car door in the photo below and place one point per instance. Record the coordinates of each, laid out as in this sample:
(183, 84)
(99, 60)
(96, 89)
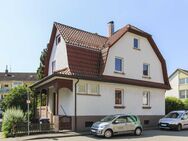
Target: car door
(185, 120)
(119, 124)
(130, 124)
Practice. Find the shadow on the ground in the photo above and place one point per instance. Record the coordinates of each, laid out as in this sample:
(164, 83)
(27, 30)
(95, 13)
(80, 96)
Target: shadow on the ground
(146, 134)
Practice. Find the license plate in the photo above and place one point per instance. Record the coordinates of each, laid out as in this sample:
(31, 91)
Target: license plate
(93, 131)
(163, 125)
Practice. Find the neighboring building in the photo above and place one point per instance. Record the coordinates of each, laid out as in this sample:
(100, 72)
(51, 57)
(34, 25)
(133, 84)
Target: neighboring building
(10, 80)
(89, 76)
(179, 83)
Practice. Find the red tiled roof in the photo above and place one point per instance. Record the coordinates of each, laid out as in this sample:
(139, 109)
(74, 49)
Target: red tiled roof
(80, 37)
(87, 52)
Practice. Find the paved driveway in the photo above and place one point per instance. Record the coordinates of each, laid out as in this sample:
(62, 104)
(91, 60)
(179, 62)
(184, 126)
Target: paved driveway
(149, 135)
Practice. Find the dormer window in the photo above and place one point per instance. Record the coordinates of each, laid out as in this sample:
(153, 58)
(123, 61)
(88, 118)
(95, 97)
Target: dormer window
(119, 64)
(136, 43)
(58, 39)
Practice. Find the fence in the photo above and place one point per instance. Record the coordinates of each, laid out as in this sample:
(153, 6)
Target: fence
(22, 128)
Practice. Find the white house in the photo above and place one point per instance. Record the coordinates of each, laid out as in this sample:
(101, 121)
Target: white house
(179, 83)
(89, 76)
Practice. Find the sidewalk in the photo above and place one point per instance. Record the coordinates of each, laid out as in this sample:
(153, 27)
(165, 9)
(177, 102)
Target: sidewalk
(46, 136)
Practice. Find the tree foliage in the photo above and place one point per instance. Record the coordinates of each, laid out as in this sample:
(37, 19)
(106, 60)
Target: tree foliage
(40, 70)
(172, 103)
(17, 97)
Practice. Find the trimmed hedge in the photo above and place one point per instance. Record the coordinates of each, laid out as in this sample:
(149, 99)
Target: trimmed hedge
(172, 103)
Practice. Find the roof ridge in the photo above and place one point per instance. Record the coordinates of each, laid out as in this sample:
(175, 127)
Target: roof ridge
(81, 30)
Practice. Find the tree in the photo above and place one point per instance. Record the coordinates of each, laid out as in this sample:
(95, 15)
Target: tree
(172, 103)
(40, 70)
(17, 97)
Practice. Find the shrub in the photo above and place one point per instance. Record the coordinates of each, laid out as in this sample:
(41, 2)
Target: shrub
(11, 117)
(172, 103)
(186, 104)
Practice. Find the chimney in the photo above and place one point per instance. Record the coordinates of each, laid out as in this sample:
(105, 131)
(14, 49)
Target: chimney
(110, 28)
(6, 71)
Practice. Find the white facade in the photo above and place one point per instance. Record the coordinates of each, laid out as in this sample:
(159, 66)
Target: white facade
(174, 82)
(59, 55)
(103, 104)
(133, 59)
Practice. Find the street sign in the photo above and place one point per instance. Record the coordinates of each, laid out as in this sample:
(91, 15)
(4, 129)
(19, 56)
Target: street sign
(28, 101)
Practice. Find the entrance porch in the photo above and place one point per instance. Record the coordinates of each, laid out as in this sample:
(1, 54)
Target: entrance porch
(56, 103)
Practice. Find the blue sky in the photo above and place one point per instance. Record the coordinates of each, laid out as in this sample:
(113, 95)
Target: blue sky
(25, 26)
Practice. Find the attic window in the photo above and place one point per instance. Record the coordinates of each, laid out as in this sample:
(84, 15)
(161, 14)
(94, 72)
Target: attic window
(136, 43)
(58, 39)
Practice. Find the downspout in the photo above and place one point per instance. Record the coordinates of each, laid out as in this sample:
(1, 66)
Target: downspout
(75, 104)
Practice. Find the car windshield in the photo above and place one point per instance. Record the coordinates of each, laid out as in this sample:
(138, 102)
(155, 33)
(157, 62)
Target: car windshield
(173, 115)
(108, 118)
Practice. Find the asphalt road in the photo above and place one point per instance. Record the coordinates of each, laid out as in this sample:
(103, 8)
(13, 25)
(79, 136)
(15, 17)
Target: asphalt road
(149, 135)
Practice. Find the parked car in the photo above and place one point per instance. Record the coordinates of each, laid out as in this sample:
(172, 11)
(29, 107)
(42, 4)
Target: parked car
(177, 120)
(117, 124)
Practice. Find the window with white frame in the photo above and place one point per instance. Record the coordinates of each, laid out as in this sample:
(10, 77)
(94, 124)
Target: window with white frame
(17, 83)
(183, 81)
(53, 66)
(93, 88)
(118, 64)
(58, 39)
(146, 98)
(183, 94)
(136, 43)
(146, 69)
(82, 88)
(119, 96)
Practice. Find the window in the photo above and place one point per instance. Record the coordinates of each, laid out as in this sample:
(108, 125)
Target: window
(93, 89)
(82, 88)
(122, 119)
(118, 64)
(182, 81)
(135, 43)
(118, 97)
(146, 69)
(53, 66)
(146, 98)
(6, 85)
(58, 39)
(182, 94)
(17, 83)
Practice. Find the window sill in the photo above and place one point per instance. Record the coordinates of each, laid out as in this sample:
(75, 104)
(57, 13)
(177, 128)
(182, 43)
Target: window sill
(146, 107)
(119, 107)
(137, 49)
(146, 77)
(86, 94)
(118, 72)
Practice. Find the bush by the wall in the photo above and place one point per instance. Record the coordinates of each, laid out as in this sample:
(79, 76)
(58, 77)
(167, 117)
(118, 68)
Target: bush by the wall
(172, 103)
(186, 103)
(11, 117)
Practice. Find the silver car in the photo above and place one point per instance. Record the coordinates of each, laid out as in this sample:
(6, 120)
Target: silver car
(117, 124)
(177, 120)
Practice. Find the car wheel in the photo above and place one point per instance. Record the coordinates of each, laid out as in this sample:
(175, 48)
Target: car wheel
(179, 127)
(108, 133)
(138, 131)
